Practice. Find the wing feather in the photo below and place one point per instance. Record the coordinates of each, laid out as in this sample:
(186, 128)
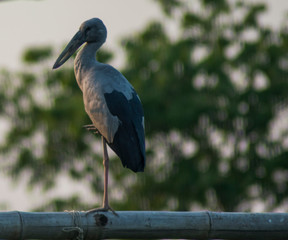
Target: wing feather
(129, 140)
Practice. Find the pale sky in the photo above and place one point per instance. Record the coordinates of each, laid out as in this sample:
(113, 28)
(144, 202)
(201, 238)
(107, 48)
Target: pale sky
(53, 22)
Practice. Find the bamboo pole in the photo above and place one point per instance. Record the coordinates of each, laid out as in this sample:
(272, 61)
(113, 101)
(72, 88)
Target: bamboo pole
(142, 224)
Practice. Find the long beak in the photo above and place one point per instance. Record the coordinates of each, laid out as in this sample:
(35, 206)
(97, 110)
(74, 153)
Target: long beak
(72, 46)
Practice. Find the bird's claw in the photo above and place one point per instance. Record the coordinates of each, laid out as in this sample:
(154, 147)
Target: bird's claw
(91, 128)
(102, 209)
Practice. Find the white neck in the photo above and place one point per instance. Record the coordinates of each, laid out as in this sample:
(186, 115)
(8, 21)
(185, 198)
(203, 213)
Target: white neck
(85, 59)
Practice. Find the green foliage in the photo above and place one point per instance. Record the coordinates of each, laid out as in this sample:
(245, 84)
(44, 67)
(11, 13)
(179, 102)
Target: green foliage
(43, 110)
(73, 202)
(35, 55)
(225, 101)
(169, 5)
(215, 103)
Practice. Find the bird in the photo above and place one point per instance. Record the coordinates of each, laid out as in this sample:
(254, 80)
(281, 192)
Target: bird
(110, 101)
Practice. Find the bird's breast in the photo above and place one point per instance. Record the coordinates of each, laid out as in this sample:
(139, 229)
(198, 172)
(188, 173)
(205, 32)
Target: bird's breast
(95, 82)
(97, 109)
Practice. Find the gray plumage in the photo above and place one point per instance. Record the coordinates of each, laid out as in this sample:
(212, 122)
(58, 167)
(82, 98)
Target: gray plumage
(109, 99)
(96, 79)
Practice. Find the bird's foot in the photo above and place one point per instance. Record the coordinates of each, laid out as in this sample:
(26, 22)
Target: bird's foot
(91, 128)
(102, 209)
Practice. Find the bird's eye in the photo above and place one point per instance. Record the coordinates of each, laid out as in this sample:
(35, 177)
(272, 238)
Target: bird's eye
(87, 29)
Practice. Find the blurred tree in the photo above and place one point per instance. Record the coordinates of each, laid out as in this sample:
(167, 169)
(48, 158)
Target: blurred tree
(214, 99)
(214, 96)
(41, 111)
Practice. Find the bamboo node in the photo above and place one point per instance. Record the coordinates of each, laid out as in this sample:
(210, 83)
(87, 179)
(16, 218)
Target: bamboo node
(76, 217)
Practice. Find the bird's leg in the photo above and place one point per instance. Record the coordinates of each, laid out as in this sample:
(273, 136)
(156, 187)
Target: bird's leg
(105, 206)
(91, 128)
(106, 169)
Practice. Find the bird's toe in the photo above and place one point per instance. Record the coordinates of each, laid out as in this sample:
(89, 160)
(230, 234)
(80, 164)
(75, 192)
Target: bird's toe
(91, 128)
(102, 209)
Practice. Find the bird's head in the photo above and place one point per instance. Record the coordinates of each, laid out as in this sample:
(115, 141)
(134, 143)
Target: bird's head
(90, 31)
(93, 30)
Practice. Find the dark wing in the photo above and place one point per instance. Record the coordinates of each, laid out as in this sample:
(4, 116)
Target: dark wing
(129, 139)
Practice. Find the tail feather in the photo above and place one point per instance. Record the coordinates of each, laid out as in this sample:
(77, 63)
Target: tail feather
(129, 150)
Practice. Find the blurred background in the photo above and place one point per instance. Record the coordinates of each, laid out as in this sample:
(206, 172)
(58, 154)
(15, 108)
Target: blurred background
(213, 80)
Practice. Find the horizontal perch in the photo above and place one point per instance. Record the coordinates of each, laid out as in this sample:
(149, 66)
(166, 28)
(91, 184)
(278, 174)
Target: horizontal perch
(142, 224)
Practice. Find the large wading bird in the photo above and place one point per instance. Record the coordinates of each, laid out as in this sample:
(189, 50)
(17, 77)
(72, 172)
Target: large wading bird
(109, 99)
